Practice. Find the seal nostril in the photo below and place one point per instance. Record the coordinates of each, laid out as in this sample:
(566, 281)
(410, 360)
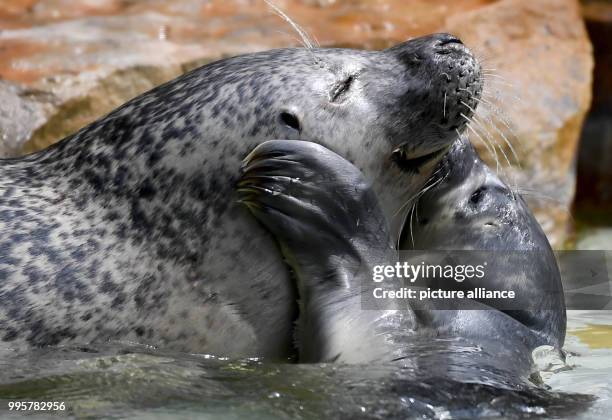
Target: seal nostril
(449, 40)
(290, 120)
(477, 195)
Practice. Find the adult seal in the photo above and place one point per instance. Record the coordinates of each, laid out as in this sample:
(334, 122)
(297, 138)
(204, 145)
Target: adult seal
(331, 229)
(130, 229)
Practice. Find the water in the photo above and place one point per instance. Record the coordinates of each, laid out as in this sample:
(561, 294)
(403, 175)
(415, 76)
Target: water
(129, 381)
(589, 344)
(442, 378)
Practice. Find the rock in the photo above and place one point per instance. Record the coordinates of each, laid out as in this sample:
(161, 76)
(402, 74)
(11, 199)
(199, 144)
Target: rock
(595, 157)
(86, 58)
(598, 18)
(594, 239)
(85, 99)
(22, 111)
(541, 80)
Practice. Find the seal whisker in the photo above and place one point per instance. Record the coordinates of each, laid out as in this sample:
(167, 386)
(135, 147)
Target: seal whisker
(497, 93)
(540, 196)
(416, 204)
(484, 105)
(304, 37)
(488, 105)
(416, 197)
(316, 41)
(497, 76)
(303, 34)
(490, 147)
(412, 197)
(498, 111)
(444, 106)
(498, 82)
(482, 56)
(293, 37)
(493, 141)
(477, 121)
(497, 97)
(506, 140)
(409, 200)
(410, 222)
(487, 134)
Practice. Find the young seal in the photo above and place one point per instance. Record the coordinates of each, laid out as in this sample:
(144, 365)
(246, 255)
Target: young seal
(130, 228)
(470, 208)
(332, 232)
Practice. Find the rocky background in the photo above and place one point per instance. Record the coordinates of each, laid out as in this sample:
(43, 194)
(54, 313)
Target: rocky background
(593, 203)
(65, 63)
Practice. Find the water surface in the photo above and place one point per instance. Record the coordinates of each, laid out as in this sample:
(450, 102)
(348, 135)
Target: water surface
(444, 379)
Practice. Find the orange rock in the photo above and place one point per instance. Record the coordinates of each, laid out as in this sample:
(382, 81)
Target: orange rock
(540, 63)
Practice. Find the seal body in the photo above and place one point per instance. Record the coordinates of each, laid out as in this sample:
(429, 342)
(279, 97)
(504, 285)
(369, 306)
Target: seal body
(130, 228)
(332, 231)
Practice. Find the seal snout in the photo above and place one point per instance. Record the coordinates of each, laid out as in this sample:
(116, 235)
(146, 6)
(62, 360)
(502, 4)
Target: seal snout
(459, 81)
(453, 74)
(443, 83)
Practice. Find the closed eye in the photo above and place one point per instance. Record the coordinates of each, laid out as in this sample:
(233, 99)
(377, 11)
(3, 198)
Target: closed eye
(340, 89)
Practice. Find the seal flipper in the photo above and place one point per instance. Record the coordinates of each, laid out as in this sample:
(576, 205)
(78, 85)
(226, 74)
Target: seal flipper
(328, 223)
